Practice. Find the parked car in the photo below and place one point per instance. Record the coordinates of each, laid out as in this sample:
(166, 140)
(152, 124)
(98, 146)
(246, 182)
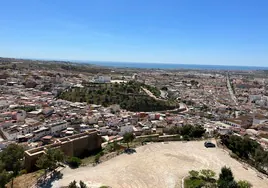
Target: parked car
(209, 144)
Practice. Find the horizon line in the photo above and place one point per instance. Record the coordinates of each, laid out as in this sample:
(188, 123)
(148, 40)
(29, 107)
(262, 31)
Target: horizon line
(121, 62)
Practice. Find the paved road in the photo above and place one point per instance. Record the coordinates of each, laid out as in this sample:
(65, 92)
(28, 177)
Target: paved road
(230, 89)
(159, 165)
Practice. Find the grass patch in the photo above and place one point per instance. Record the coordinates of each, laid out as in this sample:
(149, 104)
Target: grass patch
(193, 182)
(88, 160)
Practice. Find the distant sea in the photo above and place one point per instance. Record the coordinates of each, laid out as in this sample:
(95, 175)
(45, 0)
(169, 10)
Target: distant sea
(171, 66)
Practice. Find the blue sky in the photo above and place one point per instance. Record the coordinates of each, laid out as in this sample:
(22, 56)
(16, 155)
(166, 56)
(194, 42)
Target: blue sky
(225, 32)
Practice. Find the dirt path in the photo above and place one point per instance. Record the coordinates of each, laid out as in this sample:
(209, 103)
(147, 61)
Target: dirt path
(150, 94)
(159, 165)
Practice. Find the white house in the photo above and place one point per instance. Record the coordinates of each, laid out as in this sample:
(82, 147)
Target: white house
(57, 127)
(11, 134)
(39, 133)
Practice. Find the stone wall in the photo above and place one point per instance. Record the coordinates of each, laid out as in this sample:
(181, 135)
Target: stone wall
(75, 145)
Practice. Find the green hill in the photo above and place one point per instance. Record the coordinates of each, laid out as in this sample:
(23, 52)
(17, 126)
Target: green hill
(129, 96)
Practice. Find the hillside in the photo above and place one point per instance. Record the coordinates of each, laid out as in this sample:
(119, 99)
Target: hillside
(129, 96)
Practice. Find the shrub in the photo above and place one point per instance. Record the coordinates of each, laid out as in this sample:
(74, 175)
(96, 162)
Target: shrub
(72, 184)
(190, 183)
(244, 184)
(74, 162)
(186, 137)
(194, 174)
(97, 158)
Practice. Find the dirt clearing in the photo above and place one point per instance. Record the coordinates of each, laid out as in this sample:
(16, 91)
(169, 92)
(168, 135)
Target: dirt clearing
(159, 165)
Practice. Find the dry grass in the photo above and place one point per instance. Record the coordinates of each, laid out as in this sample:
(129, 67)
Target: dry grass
(26, 180)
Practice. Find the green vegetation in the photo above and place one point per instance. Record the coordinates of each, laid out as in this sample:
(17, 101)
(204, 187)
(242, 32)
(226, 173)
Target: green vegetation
(11, 163)
(244, 184)
(74, 162)
(248, 150)
(206, 178)
(97, 158)
(4, 178)
(153, 89)
(73, 184)
(49, 160)
(188, 131)
(226, 178)
(11, 158)
(27, 108)
(128, 95)
(128, 137)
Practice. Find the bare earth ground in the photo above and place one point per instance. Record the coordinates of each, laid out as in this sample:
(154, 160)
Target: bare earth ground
(159, 165)
(26, 180)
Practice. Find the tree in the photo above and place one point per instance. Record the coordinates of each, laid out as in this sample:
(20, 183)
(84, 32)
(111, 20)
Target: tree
(207, 174)
(4, 178)
(194, 174)
(43, 162)
(11, 158)
(128, 137)
(248, 149)
(82, 184)
(57, 155)
(244, 184)
(49, 160)
(206, 180)
(197, 131)
(72, 185)
(226, 179)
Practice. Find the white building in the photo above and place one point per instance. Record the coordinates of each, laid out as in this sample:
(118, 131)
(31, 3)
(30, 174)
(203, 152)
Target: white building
(102, 79)
(12, 132)
(84, 127)
(41, 132)
(57, 127)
